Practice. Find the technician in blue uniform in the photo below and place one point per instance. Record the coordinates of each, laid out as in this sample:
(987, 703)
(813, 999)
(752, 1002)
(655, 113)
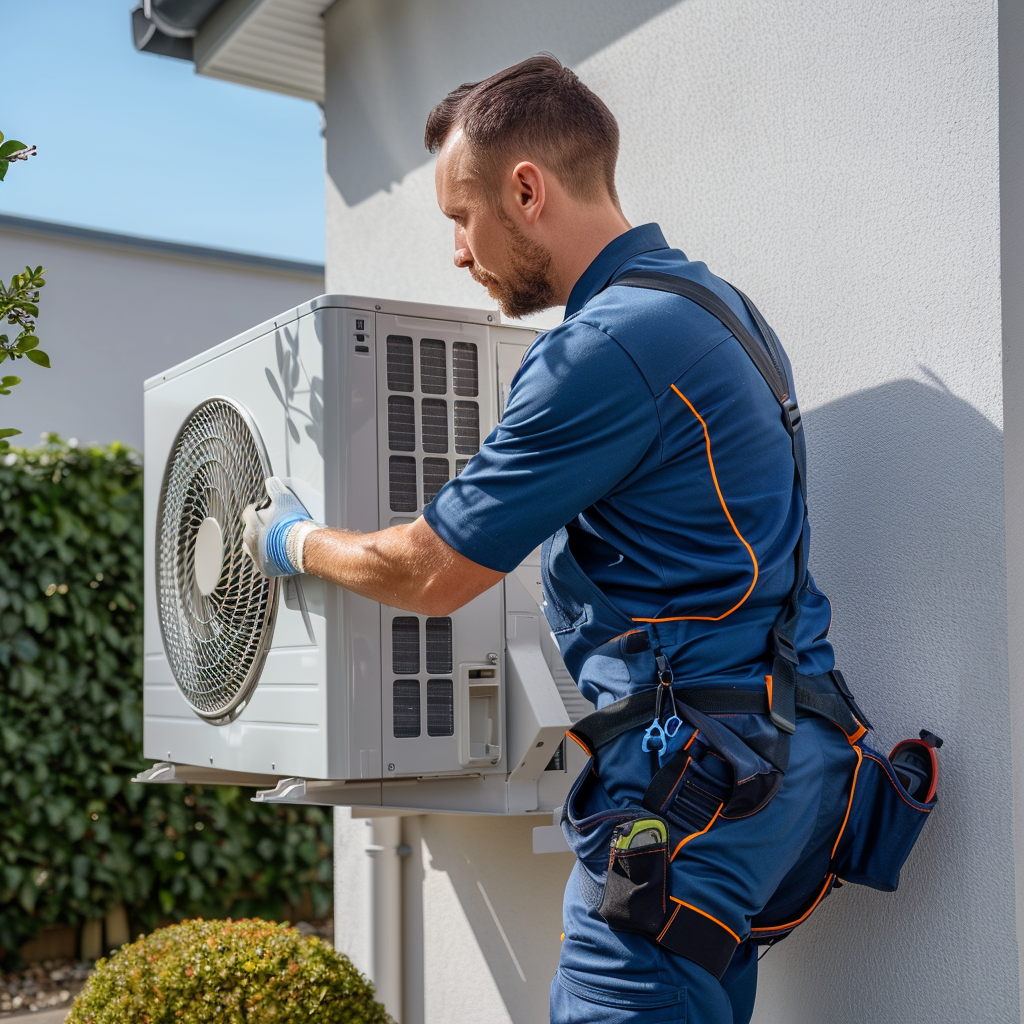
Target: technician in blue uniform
(642, 446)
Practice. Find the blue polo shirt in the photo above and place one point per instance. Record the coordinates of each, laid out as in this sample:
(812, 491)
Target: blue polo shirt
(641, 425)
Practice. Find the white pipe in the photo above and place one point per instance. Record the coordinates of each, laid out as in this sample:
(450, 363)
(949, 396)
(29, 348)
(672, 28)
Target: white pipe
(386, 911)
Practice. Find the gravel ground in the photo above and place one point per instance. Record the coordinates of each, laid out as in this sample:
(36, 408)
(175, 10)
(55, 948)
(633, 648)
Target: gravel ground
(42, 986)
(55, 983)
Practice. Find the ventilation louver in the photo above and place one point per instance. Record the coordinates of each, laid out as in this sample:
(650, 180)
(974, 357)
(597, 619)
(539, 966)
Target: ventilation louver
(429, 427)
(406, 708)
(216, 609)
(440, 707)
(405, 644)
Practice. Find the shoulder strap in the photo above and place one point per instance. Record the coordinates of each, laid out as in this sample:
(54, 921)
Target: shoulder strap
(765, 355)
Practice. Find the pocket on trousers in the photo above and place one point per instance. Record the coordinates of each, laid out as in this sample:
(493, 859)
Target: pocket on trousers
(588, 820)
(882, 826)
(619, 992)
(636, 889)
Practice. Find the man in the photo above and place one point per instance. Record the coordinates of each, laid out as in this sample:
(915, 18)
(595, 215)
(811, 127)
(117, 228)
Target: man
(641, 444)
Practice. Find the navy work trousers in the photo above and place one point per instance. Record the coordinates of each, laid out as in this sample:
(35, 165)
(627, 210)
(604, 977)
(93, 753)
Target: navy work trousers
(781, 854)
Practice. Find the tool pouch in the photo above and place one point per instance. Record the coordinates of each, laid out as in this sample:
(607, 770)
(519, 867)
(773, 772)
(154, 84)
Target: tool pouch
(882, 827)
(883, 821)
(713, 772)
(636, 885)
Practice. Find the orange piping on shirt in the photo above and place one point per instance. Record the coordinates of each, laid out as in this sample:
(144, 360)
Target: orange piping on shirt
(732, 523)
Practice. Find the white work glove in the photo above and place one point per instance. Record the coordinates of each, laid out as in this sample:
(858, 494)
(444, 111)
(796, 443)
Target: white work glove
(276, 529)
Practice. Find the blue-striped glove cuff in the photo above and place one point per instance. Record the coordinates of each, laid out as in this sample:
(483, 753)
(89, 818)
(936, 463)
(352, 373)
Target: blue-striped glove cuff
(283, 544)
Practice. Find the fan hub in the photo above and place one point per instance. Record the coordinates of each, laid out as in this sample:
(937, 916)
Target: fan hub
(208, 553)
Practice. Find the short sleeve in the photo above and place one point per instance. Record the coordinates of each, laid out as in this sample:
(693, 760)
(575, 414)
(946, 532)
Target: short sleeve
(579, 419)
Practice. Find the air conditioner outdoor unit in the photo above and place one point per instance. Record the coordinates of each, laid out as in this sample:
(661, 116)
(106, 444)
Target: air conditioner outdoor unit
(366, 408)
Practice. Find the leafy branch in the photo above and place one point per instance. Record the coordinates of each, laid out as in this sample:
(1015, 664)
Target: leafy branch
(11, 151)
(19, 302)
(19, 307)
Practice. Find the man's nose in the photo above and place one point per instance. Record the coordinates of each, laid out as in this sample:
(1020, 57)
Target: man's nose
(463, 254)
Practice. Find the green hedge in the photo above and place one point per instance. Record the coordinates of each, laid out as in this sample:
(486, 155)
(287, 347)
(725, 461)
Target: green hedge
(77, 837)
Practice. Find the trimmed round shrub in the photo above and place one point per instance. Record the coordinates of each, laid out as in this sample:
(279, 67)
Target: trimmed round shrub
(227, 972)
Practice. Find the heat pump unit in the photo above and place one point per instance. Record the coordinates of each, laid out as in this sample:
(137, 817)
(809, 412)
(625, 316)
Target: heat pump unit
(366, 408)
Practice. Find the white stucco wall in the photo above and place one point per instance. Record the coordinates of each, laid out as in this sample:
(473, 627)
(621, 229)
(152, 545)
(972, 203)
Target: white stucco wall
(113, 314)
(839, 162)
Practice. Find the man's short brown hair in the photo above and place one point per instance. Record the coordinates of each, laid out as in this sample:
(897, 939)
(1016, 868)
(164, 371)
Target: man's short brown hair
(536, 110)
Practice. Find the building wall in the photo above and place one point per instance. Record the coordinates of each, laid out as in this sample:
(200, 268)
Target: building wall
(1011, 144)
(839, 162)
(117, 310)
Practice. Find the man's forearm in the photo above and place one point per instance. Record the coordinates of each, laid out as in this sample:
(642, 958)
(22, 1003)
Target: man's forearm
(406, 567)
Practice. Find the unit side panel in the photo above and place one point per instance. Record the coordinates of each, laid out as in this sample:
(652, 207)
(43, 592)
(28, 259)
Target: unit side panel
(442, 699)
(353, 640)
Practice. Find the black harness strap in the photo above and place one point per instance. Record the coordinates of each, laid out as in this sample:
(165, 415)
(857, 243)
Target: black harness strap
(826, 695)
(699, 937)
(766, 357)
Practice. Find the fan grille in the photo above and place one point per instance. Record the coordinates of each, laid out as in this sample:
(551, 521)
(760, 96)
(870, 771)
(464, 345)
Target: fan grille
(216, 644)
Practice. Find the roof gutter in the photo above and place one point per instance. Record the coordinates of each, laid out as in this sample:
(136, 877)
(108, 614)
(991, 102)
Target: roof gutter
(268, 44)
(169, 27)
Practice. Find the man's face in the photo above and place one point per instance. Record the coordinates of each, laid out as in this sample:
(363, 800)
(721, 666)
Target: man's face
(515, 270)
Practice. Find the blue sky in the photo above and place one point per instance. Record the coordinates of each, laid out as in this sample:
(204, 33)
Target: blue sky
(141, 144)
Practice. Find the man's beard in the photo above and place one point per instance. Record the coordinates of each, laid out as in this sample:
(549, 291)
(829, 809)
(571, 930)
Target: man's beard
(526, 287)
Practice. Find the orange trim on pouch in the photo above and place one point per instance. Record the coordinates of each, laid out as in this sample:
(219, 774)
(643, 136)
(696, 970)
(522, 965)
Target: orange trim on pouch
(768, 684)
(668, 923)
(923, 810)
(803, 917)
(853, 786)
(732, 523)
(678, 780)
(703, 913)
(693, 835)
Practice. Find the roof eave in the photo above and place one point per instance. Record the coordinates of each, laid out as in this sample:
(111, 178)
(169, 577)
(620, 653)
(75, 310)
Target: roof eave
(277, 45)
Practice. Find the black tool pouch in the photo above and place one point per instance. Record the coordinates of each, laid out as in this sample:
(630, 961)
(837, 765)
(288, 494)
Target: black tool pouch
(882, 827)
(636, 886)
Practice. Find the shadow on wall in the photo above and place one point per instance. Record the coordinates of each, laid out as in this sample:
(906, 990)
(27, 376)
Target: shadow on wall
(512, 901)
(906, 500)
(381, 53)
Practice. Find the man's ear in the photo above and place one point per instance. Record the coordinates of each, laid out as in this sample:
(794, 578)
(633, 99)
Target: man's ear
(529, 191)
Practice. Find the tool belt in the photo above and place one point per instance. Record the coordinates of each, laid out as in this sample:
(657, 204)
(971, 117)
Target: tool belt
(712, 771)
(716, 773)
